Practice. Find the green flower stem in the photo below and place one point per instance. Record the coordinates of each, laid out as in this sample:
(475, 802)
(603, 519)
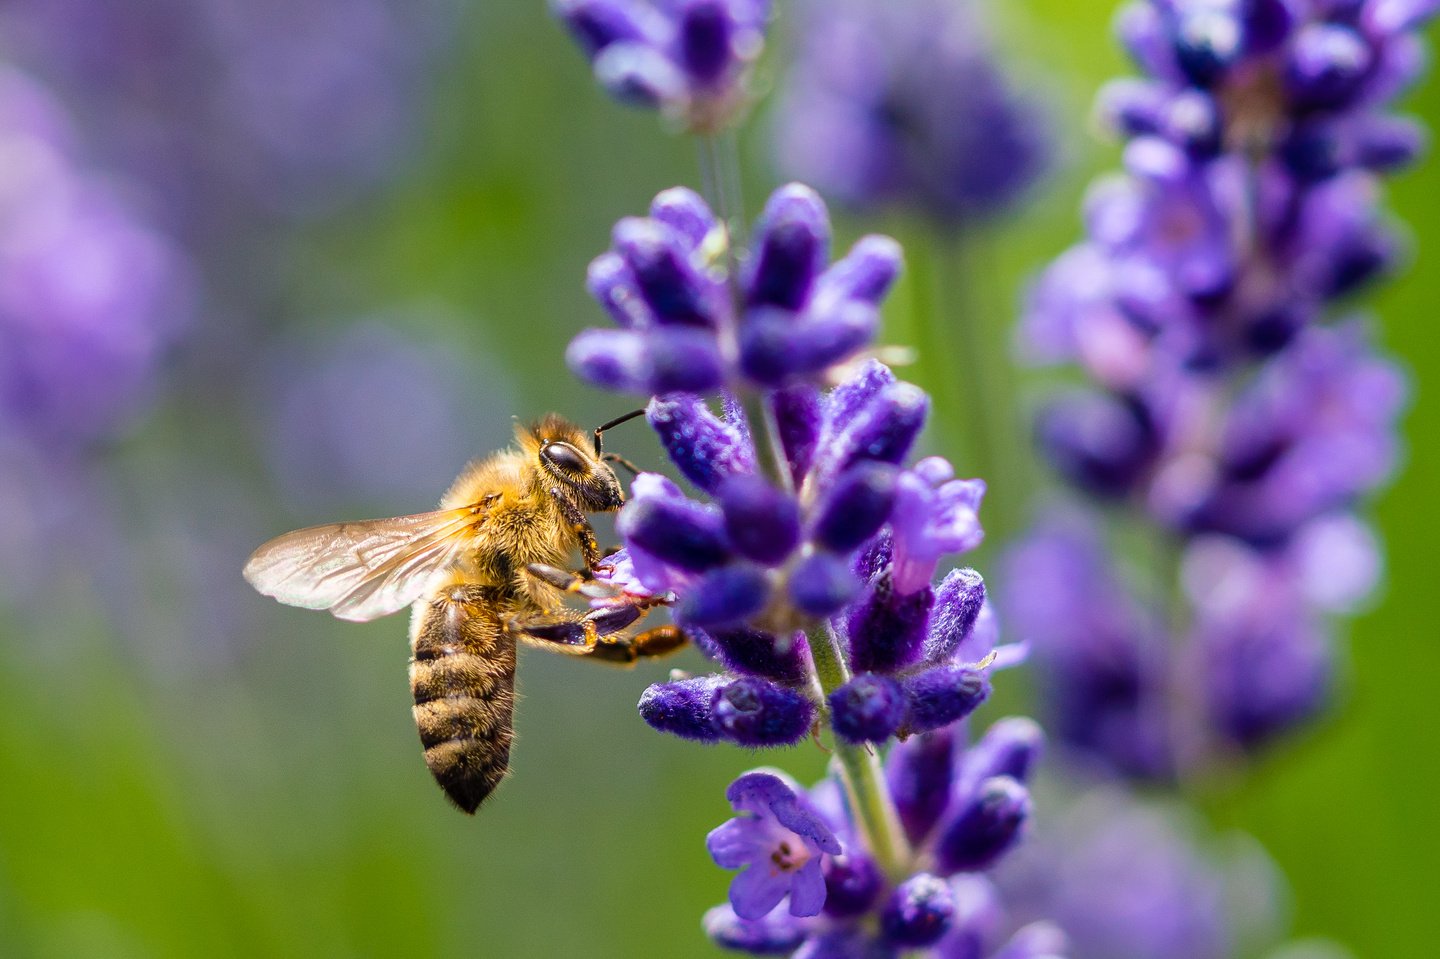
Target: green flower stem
(860, 769)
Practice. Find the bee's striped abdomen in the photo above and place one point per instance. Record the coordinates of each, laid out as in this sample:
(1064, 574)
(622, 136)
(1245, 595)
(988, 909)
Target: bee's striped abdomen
(463, 676)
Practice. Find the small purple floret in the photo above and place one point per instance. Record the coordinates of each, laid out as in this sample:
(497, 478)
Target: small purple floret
(778, 841)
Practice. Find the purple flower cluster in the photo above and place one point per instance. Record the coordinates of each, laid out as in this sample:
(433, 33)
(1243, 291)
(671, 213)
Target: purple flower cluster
(810, 888)
(756, 567)
(1229, 406)
(667, 283)
(688, 58)
(906, 103)
(807, 575)
(1129, 879)
(91, 296)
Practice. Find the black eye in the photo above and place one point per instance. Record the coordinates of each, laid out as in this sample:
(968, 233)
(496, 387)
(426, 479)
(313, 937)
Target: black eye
(564, 456)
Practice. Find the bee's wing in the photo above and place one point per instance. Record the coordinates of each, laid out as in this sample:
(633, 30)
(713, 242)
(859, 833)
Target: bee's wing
(363, 570)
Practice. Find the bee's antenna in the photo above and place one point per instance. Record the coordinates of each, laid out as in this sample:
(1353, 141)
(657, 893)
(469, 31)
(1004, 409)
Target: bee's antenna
(613, 423)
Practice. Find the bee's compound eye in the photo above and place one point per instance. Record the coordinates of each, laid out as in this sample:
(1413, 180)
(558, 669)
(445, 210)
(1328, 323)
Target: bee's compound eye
(565, 456)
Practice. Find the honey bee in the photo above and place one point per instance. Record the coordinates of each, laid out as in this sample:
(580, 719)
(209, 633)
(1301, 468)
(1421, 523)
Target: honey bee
(480, 573)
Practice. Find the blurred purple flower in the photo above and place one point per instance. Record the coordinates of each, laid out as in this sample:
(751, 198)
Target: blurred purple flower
(907, 103)
(223, 106)
(91, 297)
(1127, 880)
(1231, 408)
(689, 58)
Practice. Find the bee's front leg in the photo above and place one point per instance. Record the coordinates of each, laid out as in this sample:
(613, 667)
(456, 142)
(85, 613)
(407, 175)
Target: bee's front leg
(580, 526)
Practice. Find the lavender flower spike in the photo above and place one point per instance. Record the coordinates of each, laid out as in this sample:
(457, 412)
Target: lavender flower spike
(688, 58)
(1234, 403)
(778, 842)
(805, 575)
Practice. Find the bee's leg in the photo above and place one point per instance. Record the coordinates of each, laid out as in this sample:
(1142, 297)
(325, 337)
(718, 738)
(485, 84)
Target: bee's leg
(599, 635)
(580, 526)
(568, 581)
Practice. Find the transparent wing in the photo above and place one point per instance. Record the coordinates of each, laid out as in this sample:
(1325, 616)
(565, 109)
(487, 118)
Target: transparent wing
(363, 570)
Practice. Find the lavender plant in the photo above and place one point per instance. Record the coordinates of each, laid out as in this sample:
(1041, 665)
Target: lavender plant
(807, 573)
(1237, 408)
(807, 576)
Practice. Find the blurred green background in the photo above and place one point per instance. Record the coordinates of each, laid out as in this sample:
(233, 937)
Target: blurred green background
(166, 793)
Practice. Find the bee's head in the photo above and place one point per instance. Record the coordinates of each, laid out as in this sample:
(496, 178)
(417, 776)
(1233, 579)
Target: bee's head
(569, 459)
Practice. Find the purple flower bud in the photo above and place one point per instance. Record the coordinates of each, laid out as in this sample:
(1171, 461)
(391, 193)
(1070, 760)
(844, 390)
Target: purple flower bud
(777, 346)
(660, 264)
(775, 933)
(1267, 24)
(610, 359)
(597, 24)
(855, 508)
(683, 707)
(866, 273)
(704, 448)
(706, 34)
(940, 696)
(609, 281)
(658, 361)
(848, 399)
(883, 430)
(724, 596)
(757, 713)
(919, 912)
(958, 601)
(1326, 64)
(1101, 442)
(822, 584)
(985, 827)
(797, 421)
(1208, 40)
(1387, 144)
(685, 212)
(1010, 747)
(1267, 670)
(664, 523)
(639, 74)
(792, 245)
(762, 522)
(851, 885)
(887, 629)
(867, 709)
(1390, 17)
(757, 653)
(919, 772)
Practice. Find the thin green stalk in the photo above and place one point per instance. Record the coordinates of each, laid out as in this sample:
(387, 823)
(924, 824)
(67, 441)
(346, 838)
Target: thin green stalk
(962, 328)
(860, 770)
